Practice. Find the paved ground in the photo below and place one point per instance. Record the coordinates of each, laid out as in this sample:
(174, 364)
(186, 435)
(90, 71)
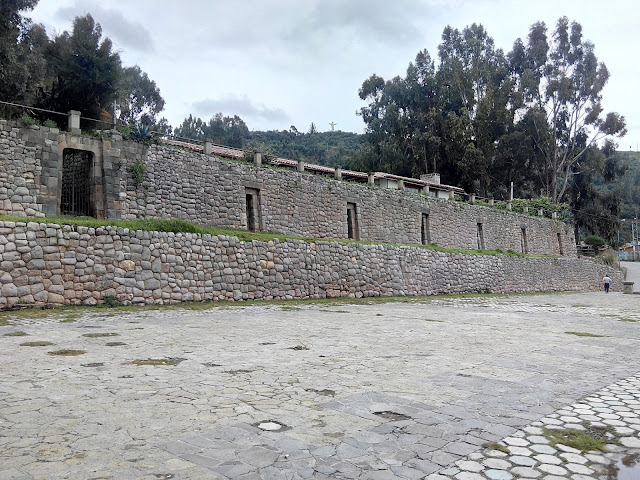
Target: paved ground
(633, 274)
(379, 391)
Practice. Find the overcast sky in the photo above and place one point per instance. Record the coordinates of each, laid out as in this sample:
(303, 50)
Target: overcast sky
(278, 63)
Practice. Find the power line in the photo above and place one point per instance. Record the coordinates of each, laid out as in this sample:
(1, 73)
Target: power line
(34, 108)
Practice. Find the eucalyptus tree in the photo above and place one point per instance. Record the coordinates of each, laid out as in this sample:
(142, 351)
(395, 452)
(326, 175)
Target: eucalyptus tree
(223, 130)
(84, 72)
(139, 99)
(475, 76)
(21, 59)
(559, 83)
(385, 137)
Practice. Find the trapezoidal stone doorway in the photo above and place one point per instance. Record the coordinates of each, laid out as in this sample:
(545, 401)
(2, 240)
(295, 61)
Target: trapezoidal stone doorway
(77, 195)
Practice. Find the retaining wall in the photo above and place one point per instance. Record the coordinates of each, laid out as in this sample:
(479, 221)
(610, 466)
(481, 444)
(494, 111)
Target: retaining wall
(212, 191)
(60, 264)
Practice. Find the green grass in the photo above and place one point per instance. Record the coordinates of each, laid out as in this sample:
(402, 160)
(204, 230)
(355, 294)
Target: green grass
(13, 317)
(585, 441)
(584, 334)
(431, 320)
(182, 226)
(16, 334)
(98, 335)
(67, 353)
(158, 361)
(36, 344)
(628, 320)
(496, 446)
(153, 225)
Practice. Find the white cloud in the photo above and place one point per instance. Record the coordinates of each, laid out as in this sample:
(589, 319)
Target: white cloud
(239, 105)
(123, 31)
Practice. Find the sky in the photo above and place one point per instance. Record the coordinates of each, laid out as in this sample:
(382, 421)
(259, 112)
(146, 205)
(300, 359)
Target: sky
(278, 63)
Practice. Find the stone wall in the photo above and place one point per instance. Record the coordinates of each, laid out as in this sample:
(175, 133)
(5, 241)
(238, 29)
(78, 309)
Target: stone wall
(213, 191)
(54, 264)
(31, 170)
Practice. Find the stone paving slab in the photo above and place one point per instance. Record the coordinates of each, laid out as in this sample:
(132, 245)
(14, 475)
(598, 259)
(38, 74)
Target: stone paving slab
(612, 413)
(367, 391)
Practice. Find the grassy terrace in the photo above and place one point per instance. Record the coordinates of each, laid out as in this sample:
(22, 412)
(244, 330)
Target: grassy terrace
(182, 226)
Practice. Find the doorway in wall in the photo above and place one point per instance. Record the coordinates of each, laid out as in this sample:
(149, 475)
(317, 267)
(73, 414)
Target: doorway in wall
(352, 222)
(75, 194)
(480, 236)
(426, 233)
(252, 202)
(523, 240)
(560, 244)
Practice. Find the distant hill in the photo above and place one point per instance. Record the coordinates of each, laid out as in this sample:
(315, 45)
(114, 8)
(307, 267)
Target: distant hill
(322, 148)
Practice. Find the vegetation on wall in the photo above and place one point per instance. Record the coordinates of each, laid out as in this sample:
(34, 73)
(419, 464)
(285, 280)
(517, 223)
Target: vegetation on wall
(137, 169)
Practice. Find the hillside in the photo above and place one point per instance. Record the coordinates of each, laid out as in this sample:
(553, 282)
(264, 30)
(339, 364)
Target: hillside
(323, 148)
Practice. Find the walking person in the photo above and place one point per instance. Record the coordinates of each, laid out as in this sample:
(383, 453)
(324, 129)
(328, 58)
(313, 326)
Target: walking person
(606, 281)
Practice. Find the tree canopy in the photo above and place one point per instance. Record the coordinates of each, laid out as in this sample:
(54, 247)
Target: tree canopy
(484, 119)
(77, 70)
(84, 72)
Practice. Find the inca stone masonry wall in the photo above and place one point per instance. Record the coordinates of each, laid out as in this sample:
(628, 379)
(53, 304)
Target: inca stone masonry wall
(31, 170)
(208, 190)
(54, 264)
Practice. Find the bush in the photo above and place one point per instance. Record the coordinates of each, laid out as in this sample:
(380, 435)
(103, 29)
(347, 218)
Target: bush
(110, 301)
(50, 124)
(137, 169)
(595, 241)
(609, 258)
(27, 121)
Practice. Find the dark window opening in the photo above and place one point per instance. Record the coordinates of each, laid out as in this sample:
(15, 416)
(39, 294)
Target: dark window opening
(425, 230)
(560, 244)
(523, 240)
(252, 204)
(75, 197)
(480, 237)
(352, 222)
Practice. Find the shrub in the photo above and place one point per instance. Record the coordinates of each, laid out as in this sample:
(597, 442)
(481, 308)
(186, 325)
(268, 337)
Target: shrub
(609, 258)
(595, 241)
(137, 169)
(27, 121)
(110, 301)
(50, 124)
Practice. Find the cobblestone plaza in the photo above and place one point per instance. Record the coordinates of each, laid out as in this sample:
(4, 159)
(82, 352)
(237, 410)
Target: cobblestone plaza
(439, 388)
